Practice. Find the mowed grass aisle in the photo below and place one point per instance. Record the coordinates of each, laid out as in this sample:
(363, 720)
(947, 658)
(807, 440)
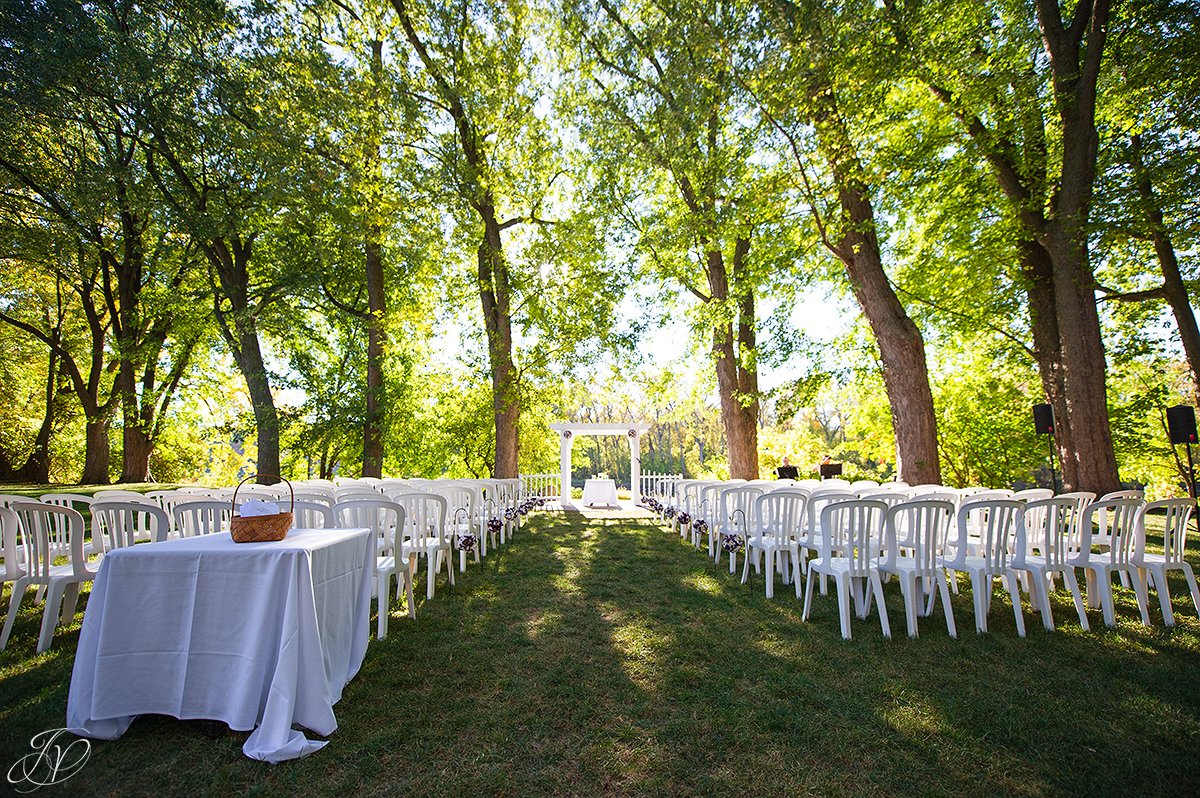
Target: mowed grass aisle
(603, 656)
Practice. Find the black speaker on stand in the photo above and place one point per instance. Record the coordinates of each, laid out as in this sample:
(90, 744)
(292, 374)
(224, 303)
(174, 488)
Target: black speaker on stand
(1043, 424)
(1181, 428)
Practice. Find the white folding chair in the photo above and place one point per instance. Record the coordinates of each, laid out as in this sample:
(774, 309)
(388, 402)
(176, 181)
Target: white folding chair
(915, 535)
(1177, 513)
(1120, 526)
(385, 519)
(998, 528)
(61, 581)
(778, 519)
(850, 535)
(204, 517)
(312, 515)
(124, 523)
(1049, 548)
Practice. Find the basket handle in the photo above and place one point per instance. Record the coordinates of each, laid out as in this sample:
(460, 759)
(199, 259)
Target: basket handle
(233, 500)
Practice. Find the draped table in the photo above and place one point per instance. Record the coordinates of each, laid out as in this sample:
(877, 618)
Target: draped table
(600, 491)
(259, 635)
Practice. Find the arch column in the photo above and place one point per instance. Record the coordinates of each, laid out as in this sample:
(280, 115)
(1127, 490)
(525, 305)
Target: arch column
(565, 441)
(635, 465)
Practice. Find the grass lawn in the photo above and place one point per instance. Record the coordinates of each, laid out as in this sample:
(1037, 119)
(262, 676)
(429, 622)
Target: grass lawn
(602, 656)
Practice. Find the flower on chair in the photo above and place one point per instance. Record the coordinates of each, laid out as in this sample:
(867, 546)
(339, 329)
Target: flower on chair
(511, 514)
(732, 543)
(683, 518)
(494, 525)
(700, 527)
(670, 512)
(465, 541)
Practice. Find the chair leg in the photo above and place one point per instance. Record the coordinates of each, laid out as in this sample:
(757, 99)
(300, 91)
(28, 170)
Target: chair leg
(1191, 580)
(980, 606)
(70, 600)
(430, 573)
(449, 569)
(1104, 589)
(796, 572)
(1014, 590)
(944, 589)
(14, 605)
(1077, 596)
(808, 591)
(462, 562)
(1140, 593)
(884, 624)
(770, 573)
(908, 589)
(1159, 575)
(1040, 583)
(408, 594)
(383, 584)
(842, 585)
(54, 597)
(746, 564)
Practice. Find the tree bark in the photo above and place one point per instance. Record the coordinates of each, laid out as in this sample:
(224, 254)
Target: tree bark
(1174, 289)
(96, 452)
(901, 346)
(737, 372)
(231, 260)
(494, 297)
(372, 464)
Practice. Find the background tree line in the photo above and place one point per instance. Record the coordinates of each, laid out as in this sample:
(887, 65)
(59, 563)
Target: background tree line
(355, 236)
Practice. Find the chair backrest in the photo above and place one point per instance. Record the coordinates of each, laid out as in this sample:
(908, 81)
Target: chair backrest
(81, 503)
(710, 502)
(780, 514)
(817, 500)
(889, 497)
(1033, 494)
(1117, 524)
(38, 522)
(73, 500)
(836, 483)
(1122, 494)
(999, 526)
(425, 517)
(10, 546)
(203, 517)
(460, 500)
(853, 529)
(737, 506)
(988, 494)
(1177, 513)
(125, 523)
(921, 525)
(863, 484)
(312, 515)
(1050, 527)
(382, 516)
(316, 497)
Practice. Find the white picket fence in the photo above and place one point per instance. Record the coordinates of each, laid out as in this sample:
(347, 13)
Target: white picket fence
(548, 485)
(661, 486)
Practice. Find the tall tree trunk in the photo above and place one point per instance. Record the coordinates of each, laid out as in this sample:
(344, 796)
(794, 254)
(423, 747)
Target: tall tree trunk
(494, 297)
(231, 260)
(1173, 288)
(736, 367)
(372, 465)
(36, 468)
(901, 346)
(135, 443)
(96, 452)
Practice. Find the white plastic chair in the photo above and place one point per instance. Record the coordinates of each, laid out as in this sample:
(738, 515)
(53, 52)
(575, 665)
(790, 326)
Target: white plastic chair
(424, 534)
(778, 519)
(204, 517)
(1033, 494)
(123, 523)
(1121, 526)
(61, 581)
(11, 548)
(810, 538)
(850, 534)
(915, 534)
(462, 518)
(1050, 545)
(75, 501)
(1175, 526)
(734, 517)
(385, 519)
(1000, 529)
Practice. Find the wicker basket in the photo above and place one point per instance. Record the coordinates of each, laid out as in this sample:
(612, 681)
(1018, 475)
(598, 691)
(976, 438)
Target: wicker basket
(260, 528)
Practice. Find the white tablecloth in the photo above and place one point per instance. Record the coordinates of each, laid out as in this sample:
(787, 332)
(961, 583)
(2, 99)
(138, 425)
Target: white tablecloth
(254, 634)
(600, 491)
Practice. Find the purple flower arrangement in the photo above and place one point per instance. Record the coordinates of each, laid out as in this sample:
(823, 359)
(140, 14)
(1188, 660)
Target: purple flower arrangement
(494, 525)
(700, 527)
(732, 543)
(510, 514)
(465, 541)
(670, 512)
(683, 518)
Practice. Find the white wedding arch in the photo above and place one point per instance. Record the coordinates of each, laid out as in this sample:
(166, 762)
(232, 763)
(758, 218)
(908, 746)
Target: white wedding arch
(567, 433)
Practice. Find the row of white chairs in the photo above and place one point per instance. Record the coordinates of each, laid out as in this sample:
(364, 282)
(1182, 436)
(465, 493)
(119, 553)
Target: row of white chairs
(923, 535)
(408, 524)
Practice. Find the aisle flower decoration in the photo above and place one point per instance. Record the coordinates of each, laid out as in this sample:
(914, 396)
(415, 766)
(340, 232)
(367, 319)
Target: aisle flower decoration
(700, 527)
(670, 512)
(683, 518)
(465, 541)
(494, 525)
(732, 542)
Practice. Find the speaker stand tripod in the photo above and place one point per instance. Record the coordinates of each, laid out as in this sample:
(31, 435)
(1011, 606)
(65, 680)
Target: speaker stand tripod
(1053, 478)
